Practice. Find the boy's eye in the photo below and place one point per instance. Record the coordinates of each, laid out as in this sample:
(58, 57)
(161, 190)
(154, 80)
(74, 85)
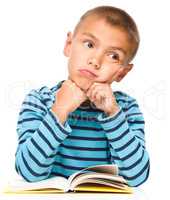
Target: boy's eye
(88, 44)
(114, 56)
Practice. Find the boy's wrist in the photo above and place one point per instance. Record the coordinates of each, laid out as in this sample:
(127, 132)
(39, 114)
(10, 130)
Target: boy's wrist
(112, 111)
(62, 108)
(61, 112)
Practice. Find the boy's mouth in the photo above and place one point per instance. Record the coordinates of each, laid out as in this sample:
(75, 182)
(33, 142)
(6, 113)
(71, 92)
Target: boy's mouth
(88, 73)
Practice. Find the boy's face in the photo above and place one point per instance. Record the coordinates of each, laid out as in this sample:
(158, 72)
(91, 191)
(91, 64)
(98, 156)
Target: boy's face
(97, 48)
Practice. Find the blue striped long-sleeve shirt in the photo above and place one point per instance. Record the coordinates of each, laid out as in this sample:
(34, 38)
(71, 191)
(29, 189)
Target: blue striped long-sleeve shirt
(48, 148)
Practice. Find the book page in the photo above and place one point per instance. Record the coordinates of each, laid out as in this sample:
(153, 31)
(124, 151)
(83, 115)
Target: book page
(107, 168)
(92, 175)
(99, 182)
(20, 184)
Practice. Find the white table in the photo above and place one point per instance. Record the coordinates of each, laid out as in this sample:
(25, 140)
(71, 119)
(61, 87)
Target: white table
(137, 195)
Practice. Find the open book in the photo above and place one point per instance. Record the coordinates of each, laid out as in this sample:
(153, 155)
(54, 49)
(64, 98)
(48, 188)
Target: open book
(99, 178)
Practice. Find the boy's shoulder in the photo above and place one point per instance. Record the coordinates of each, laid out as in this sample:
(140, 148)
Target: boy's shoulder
(43, 95)
(45, 91)
(49, 90)
(123, 96)
(124, 100)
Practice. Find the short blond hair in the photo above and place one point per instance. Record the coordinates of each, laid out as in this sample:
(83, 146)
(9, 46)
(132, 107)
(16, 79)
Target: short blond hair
(119, 18)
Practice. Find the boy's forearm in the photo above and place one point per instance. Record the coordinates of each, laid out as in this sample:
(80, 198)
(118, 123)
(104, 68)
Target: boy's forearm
(61, 112)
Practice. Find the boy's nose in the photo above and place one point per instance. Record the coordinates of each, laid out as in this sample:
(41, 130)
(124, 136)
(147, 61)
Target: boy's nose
(94, 62)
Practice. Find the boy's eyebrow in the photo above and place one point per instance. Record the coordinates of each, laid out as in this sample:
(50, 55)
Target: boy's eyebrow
(110, 47)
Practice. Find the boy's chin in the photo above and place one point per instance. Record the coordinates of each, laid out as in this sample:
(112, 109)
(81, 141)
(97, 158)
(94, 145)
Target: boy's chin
(83, 84)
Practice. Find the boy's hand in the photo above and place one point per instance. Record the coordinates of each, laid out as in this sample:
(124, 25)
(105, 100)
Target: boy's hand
(102, 96)
(69, 97)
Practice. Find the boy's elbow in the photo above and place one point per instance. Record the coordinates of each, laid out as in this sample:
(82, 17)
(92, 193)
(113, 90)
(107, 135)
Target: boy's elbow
(140, 178)
(27, 177)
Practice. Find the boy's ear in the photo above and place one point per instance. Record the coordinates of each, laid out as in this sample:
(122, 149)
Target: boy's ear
(122, 72)
(67, 45)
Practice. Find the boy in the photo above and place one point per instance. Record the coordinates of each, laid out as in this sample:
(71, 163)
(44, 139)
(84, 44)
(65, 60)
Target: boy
(81, 122)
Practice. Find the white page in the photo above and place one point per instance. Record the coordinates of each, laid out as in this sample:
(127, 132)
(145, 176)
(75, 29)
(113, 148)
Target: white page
(107, 168)
(55, 182)
(96, 175)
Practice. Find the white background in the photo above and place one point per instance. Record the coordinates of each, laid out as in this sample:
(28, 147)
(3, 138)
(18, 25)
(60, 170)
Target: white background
(32, 35)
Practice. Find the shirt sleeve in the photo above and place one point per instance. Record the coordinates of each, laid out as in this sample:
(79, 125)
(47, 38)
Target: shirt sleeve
(39, 135)
(125, 133)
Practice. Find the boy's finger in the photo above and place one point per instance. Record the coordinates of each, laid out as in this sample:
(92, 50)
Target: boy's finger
(94, 93)
(91, 90)
(98, 97)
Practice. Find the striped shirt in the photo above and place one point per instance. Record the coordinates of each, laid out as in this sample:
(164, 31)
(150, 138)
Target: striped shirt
(47, 148)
